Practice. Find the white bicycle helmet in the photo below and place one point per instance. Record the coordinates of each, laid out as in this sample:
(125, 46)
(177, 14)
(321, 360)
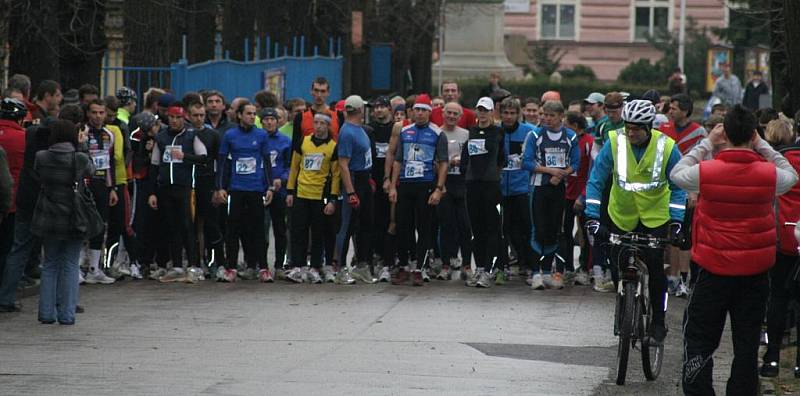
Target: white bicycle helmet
(639, 112)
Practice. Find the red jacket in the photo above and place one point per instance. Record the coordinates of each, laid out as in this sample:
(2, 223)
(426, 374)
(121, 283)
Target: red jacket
(577, 183)
(12, 140)
(467, 120)
(686, 138)
(789, 207)
(734, 222)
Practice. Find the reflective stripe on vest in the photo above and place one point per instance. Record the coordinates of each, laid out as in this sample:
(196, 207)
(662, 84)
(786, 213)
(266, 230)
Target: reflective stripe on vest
(622, 166)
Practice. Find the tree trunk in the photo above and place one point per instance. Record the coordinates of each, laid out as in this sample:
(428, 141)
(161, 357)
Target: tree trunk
(791, 18)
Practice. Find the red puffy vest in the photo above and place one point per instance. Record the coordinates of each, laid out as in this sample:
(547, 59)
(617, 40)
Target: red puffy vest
(789, 207)
(734, 222)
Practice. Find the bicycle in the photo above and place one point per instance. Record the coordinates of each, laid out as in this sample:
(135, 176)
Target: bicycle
(632, 315)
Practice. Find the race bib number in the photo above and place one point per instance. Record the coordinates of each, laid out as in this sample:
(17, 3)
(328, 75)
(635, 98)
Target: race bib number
(273, 158)
(477, 146)
(381, 149)
(167, 157)
(368, 159)
(101, 159)
(414, 169)
(246, 166)
(514, 162)
(313, 162)
(555, 160)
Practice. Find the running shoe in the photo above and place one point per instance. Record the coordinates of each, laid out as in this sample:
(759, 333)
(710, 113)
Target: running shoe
(295, 275)
(120, 269)
(455, 274)
(673, 283)
(484, 279)
(195, 274)
(401, 277)
(249, 274)
(313, 276)
(220, 274)
(444, 274)
(472, 279)
(343, 277)
(81, 279)
(94, 277)
(329, 274)
(770, 369)
(500, 278)
(361, 273)
(426, 277)
(136, 271)
(265, 275)
(156, 273)
(603, 285)
(683, 290)
(436, 266)
(537, 282)
(416, 278)
(229, 275)
(554, 281)
(569, 277)
(175, 274)
(385, 275)
(582, 278)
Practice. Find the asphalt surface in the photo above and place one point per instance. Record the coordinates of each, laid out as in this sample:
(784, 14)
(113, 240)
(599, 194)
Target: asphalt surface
(250, 338)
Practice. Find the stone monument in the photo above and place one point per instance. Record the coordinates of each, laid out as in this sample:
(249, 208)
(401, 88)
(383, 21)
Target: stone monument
(473, 41)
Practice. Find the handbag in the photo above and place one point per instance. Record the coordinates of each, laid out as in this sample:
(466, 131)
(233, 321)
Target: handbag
(85, 220)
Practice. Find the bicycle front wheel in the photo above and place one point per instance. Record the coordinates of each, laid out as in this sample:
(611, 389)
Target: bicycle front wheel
(652, 355)
(626, 329)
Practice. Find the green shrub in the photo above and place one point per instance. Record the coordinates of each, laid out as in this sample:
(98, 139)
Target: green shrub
(579, 72)
(642, 70)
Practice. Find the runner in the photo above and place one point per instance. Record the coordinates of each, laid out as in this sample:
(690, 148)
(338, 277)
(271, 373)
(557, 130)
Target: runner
(280, 156)
(242, 155)
(312, 190)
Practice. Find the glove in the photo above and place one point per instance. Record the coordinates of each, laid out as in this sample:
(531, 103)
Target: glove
(677, 236)
(598, 231)
(353, 200)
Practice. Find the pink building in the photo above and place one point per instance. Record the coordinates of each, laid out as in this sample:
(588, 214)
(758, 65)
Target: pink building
(605, 35)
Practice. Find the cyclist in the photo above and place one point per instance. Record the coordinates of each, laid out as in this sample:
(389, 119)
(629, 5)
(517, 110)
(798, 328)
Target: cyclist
(642, 198)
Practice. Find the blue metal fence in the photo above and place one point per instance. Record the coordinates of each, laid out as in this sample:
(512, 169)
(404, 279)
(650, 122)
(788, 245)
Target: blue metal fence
(286, 69)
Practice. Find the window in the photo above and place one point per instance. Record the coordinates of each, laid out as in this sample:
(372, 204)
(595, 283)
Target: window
(558, 19)
(651, 18)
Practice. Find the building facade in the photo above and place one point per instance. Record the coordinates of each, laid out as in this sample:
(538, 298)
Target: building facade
(605, 35)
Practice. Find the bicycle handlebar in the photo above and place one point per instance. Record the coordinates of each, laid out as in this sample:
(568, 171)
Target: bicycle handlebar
(639, 240)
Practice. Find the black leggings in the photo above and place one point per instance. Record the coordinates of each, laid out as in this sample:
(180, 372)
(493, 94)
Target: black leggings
(548, 215)
(175, 205)
(382, 242)
(783, 288)
(482, 201)
(246, 223)
(277, 213)
(100, 192)
(307, 215)
(517, 228)
(118, 224)
(412, 203)
(359, 223)
(455, 229)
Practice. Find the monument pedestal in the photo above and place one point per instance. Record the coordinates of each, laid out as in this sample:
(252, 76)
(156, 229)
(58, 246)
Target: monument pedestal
(473, 42)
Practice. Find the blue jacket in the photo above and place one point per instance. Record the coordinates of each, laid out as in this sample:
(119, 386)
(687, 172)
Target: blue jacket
(280, 157)
(529, 161)
(243, 154)
(602, 173)
(514, 180)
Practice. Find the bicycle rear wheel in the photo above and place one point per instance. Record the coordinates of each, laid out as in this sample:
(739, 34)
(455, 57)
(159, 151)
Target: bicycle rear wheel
(626, 330)
(652, 355)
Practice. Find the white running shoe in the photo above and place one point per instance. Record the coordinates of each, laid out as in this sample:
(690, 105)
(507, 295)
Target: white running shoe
(220, 275)
(554, 281)
(426, 277)
(484, 280)
(295, 275)
(582, 278)
(329, 274)
(385, 275)
(313, 276)
(175, 274)
(195, 274)
(157, 273)
(344, 277)
(100, 277)
(136, 271)
(603, 286)
(81, 279)
(682, 291)
(537, 282)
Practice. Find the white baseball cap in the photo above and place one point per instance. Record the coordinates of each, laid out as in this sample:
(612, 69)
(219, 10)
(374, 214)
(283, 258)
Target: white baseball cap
(486, 102)
(353, 102)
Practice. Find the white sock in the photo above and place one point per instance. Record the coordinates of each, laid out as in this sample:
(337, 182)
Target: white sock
(95, 256)
(598, 272)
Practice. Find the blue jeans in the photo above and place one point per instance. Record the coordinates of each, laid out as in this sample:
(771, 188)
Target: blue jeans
(17, 258)
(59, 280)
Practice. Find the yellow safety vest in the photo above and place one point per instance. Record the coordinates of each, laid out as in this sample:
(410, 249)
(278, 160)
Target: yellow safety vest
(640, 191)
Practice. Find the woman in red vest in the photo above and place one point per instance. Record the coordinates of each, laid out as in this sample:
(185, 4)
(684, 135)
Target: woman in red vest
(733, 242)
(783, 286)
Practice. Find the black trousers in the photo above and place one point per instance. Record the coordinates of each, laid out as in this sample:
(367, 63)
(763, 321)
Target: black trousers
(566, 244)
(100, 192)
(382, 242)
(359, 221)
(517, 227)
(209, 216)
(118, 226)
(277, 213)
(6, 241)
(783, 288)
(175, 205)
(149, 228)
(714, 298)
(307, 215)
(412, 204)
(246, 224)
(455, 231)
(548, 217)
(482, 201)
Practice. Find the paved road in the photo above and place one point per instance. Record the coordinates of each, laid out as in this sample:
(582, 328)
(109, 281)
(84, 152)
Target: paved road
(251, 338)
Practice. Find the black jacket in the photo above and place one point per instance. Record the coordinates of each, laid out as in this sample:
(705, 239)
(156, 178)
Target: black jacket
(6, 185)
(37, 138)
